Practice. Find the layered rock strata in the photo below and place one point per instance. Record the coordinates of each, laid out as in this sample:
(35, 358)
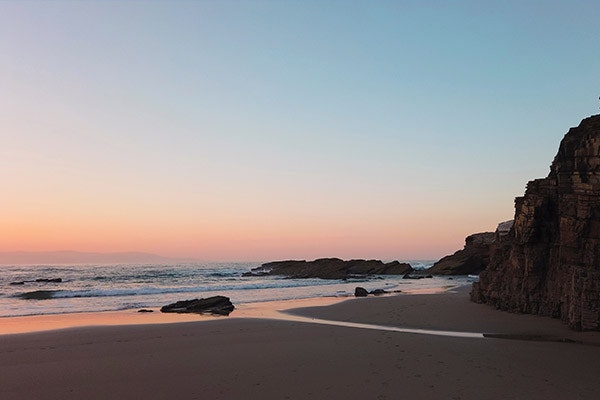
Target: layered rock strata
(549, 263)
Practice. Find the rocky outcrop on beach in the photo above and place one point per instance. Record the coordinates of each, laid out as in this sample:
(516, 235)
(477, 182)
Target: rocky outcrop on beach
(218, 305)
(331, 268)
(472, 259)
(549, 263)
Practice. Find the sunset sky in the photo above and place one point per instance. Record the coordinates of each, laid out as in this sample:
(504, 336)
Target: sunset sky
(260, 130)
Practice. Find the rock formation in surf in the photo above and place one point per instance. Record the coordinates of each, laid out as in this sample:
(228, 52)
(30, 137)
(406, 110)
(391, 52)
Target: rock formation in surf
(549, 263)
(330, 268)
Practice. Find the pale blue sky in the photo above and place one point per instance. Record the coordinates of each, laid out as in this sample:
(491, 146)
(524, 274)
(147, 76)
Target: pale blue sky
(407, 118)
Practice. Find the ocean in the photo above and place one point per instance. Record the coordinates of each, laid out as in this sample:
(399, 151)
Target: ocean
(91, 288)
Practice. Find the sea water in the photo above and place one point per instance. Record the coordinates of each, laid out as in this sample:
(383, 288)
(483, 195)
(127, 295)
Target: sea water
(90, 288)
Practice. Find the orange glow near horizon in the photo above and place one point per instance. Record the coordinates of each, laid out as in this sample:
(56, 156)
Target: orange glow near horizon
(243, 237)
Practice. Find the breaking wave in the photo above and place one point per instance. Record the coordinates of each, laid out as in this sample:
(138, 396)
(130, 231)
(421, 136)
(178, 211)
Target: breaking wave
(142, 291)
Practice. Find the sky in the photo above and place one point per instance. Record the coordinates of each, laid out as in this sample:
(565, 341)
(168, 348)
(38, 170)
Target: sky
(263, 130)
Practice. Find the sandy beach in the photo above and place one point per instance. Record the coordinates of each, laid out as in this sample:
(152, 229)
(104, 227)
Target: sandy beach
(247, 357)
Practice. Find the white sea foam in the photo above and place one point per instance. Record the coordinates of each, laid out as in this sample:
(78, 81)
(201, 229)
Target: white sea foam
(117, 287)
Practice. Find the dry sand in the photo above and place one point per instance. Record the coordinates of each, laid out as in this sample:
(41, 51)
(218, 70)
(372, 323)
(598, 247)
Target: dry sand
(249, 358)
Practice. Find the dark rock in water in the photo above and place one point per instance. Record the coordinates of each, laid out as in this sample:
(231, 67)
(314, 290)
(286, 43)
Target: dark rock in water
(51, 280)
(219, 305)
(409, 276)
(255, 272)
(362, 292)
(549, 263)
(39, 280)
(144, 310)
(428, 276)
(331, 268)
(38, 295)
(378, 292)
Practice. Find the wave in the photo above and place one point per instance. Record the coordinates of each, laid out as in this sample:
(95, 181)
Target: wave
(146, 291)
(38, 295)
(421, 265)
(224, 274)
(173, 276)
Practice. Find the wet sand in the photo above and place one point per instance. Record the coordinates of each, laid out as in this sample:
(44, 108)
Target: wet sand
(242, 358)
(49, 322)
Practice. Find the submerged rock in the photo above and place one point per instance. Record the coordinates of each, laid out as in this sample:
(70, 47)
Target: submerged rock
(218, 305)
(39, 280)
(38, 295)
(49, 280)
(255, 272)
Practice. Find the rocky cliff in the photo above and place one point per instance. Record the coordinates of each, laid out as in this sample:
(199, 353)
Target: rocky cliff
(331, 268)
(549, 263)
(474, 257)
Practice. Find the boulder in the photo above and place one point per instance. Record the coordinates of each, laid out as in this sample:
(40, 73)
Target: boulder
(548, 263)
(360, 292)
(218, 305)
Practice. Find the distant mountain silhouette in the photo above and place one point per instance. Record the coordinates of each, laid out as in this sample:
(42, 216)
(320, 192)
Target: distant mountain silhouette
(78, 257)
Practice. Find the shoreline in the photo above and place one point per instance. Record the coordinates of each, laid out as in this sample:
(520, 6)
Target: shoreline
(53, 322)
(266, 309)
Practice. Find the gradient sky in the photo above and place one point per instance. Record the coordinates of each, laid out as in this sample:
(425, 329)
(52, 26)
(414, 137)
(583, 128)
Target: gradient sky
(259, 130)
